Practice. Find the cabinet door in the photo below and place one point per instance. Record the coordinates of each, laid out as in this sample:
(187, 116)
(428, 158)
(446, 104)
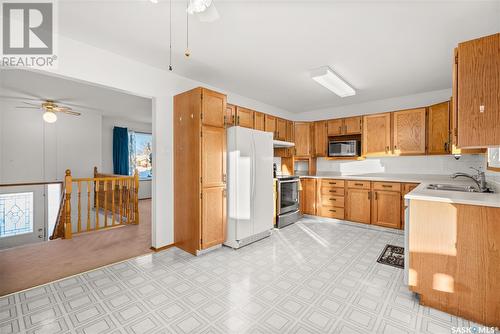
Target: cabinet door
(357, 203)
(335, 127)
(213, 222)
(377, 135)
(213, 108)
(320, 139)
(308, 196)
(352, 125)
(289, 131)
(478, 91)
(244, 117)
(259, 121)
(230, 115)
(280, 129)
(302, 131)
(270, 125)
(213, 156)
(438, 133)
(386, 208)
(409, 132)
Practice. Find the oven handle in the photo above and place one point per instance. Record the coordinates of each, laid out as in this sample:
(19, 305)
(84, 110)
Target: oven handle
(288, 181)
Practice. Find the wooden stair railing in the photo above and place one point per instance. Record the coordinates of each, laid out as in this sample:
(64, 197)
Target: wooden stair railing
(115, 203)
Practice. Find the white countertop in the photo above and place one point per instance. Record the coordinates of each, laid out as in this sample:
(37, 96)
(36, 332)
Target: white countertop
(421, 192)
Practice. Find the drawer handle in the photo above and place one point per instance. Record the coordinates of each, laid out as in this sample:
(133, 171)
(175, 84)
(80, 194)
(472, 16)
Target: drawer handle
(386, 186)
(333, 191)
(332, 199)
(332, 210)
(358, 184)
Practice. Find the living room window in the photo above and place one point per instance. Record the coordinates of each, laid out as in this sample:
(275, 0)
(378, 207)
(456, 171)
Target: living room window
(141, 154)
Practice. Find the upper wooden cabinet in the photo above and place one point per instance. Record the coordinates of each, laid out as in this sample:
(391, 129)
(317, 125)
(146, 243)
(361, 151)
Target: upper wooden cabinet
(270, 124)
(213, 108)
(409, 132)
(476, 92)
(258, 121)
(281, 129)
(289, 131)
(335, 127)
(244, 117)
(320, 139)
(345, 126)
(230, 117)
(377, 135)
(302, 132)
(438, 128)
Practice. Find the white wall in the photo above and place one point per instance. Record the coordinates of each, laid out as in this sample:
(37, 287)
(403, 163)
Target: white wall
(34, 151)
(373, 107)
(108, 123)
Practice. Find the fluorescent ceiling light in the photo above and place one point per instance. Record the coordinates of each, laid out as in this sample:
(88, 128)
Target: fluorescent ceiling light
(328, 79)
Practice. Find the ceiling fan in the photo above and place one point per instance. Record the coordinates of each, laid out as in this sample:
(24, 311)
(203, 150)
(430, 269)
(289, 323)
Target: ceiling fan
(50, 109)
(204, 9)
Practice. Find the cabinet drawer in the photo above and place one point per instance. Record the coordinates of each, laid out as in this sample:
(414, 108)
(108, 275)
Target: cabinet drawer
(332, 212)
(337, 201)
(332, 191)
(332, 183)
(389, 186)
(358, 184)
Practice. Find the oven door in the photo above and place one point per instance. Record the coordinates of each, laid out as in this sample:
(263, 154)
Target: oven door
(288, 196)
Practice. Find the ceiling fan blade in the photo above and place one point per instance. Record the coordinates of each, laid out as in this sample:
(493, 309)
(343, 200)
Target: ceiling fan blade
(209, 15)
(69, 112)
(32, 104)
(19, 107)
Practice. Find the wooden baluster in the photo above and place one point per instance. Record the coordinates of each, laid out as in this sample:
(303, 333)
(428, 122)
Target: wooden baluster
(105, 189)
(88, 204)
(120, 203)
(127, 204)
(79, 223)
(96, 200)
(67, 205)
(113, 202)
(136, 197)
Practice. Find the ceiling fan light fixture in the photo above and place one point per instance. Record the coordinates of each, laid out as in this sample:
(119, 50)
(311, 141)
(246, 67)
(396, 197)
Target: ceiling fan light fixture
(326, 77)
(198, 6)
(49, 116)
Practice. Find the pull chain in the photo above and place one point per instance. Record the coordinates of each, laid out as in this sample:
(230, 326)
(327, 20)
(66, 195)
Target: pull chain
(187, 53)
(170, 68)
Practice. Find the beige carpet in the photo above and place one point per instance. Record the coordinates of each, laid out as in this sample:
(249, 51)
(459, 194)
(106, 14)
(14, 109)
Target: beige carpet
(28, 266)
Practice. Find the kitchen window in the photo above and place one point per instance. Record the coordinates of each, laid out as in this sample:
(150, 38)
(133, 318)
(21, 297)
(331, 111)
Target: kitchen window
(141, 154)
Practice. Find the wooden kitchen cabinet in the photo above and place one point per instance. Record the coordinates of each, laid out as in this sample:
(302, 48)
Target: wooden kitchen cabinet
(199, 169)
(438, 128)
(330, 198)
(244, 117)
(386, 208)
(358, 205)
(320, 139)
(409, 132)
(335, 127)
(352, 125)
(376, 139)
(405, 189)
(302, 132)
(230, 115)
(308, 200)
(258, 121)
(270, 125)
(280, 129)
(476, 91)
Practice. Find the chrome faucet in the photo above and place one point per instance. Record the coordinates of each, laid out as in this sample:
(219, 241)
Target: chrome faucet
(479, 179)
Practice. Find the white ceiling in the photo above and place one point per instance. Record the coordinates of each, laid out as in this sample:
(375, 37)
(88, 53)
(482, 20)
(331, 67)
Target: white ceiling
(265, 49)
(29, 86)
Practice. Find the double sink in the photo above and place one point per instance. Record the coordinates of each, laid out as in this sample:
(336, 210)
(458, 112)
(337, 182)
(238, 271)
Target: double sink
(453, 187)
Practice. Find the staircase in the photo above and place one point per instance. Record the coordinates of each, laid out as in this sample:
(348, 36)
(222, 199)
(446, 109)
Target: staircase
(101, 202)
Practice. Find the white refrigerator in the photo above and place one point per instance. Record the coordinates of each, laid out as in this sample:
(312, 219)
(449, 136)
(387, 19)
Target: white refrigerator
(250, 186)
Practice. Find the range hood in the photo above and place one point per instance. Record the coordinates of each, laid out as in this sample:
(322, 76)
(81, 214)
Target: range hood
(282, 144)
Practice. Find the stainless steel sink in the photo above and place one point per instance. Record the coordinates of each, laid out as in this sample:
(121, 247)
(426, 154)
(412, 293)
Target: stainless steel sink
(452, 187)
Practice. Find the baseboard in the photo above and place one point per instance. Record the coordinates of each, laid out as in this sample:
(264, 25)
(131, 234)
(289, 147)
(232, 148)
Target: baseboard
(162, 248)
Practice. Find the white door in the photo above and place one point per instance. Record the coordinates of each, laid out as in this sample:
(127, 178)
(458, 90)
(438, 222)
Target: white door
(22, 215)
(263, 197)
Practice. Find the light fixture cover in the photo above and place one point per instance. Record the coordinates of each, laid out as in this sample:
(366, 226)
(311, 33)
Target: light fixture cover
(49, 116)
(198, 6)
(326, 77)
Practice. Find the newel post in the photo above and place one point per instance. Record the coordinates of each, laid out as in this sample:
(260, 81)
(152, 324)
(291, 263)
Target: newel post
(136, 196)
(67, 205)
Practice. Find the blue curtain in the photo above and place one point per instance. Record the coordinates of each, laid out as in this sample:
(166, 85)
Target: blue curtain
(120, 151)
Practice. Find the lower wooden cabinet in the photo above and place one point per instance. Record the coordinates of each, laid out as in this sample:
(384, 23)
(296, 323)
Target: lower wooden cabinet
(386, 208)
(405, 189)
(331, 212)
(358, 205)
(308, 196)
(330, 198)
(214, 212)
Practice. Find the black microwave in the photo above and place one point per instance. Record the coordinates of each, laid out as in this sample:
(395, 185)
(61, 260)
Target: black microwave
(344, 148)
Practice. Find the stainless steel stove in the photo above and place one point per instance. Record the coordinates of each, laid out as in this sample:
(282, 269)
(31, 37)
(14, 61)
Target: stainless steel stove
(288, 200)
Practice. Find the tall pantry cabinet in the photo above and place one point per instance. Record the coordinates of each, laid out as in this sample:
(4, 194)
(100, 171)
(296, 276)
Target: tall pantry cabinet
(199, 170)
